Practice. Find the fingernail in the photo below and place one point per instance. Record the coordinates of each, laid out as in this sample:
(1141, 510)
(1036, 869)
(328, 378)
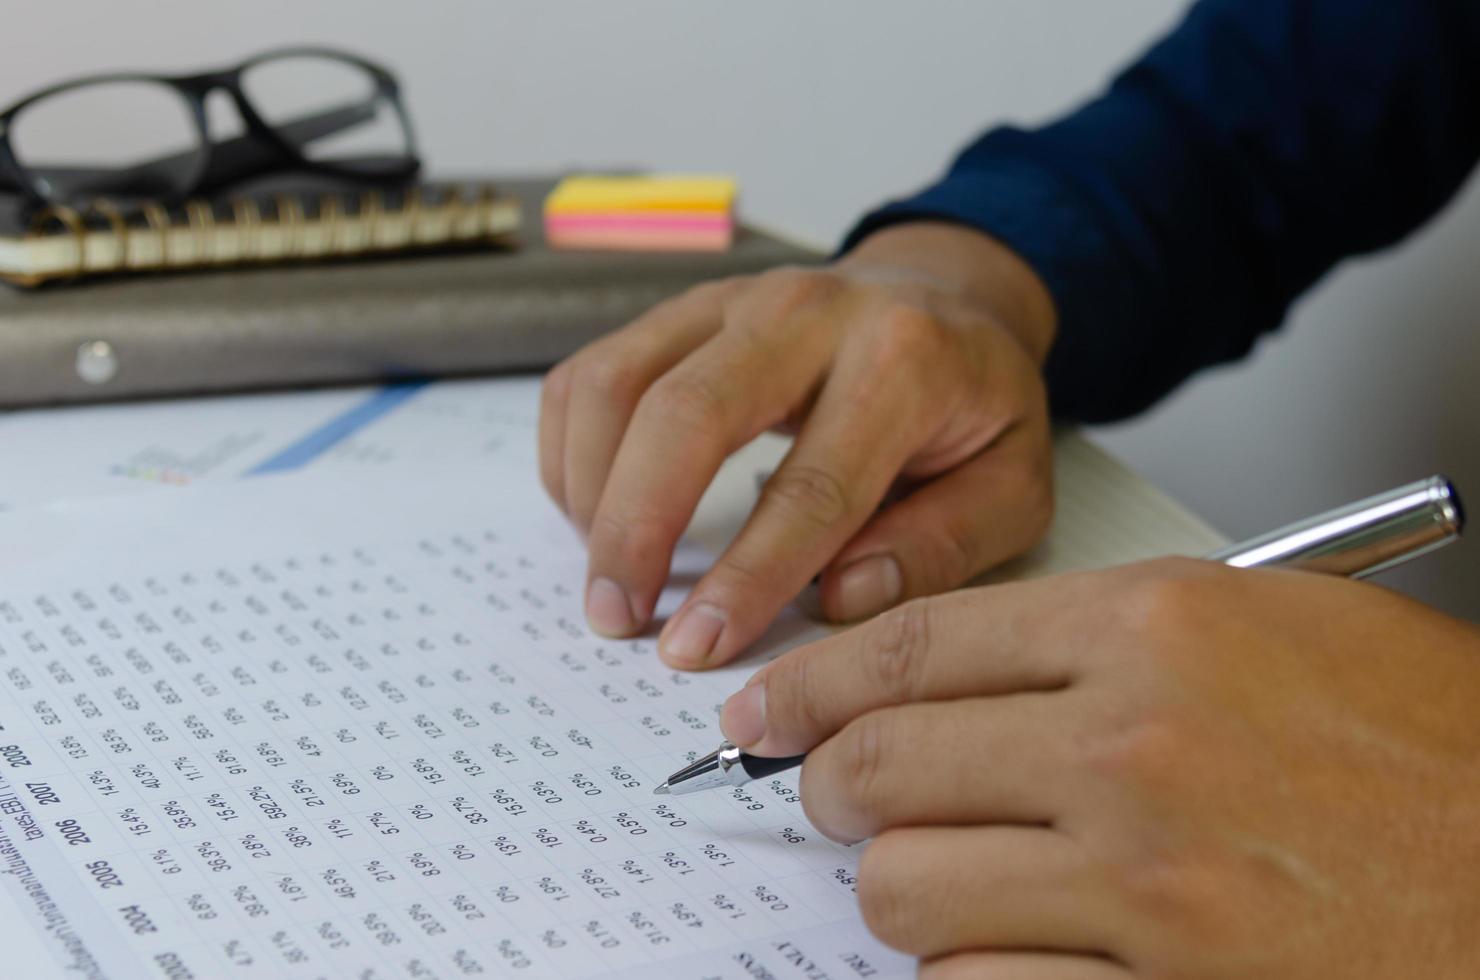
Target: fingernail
(689, 639)
(867, 586)
(743, 718)
(607, 609)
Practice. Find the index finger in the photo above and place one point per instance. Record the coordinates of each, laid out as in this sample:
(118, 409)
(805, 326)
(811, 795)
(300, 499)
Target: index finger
(978, 642)
(733, 387)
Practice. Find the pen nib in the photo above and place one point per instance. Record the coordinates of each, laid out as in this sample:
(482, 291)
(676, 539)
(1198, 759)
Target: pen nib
(660, 790)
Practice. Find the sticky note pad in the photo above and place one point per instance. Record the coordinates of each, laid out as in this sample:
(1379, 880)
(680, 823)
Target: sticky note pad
(647, 212)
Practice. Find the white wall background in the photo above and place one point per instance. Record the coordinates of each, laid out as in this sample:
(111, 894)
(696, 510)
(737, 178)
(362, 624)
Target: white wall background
(824, 108)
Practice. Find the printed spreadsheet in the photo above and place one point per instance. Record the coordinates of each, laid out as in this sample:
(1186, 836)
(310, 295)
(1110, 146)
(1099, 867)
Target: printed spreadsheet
(294, 727)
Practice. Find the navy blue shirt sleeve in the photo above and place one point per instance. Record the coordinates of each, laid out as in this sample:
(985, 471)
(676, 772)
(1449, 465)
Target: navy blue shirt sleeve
(1178, 216)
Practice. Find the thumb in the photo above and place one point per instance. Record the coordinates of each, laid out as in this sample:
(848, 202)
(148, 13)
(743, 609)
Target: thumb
(993, 507)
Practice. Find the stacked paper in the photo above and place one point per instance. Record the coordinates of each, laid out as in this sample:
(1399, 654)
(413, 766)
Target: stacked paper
(649, 212)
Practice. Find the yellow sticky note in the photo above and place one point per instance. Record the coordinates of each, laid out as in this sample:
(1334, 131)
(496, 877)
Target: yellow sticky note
(642, 192)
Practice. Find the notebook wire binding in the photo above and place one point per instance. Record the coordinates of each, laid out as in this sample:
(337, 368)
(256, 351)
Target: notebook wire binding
(62, 242)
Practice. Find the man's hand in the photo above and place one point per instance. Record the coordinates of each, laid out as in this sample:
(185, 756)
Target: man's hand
(1170, 770)
(915, 358)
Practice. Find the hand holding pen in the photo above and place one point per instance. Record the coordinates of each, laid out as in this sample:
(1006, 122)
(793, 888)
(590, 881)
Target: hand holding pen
(1358, 540)
(1154, 770)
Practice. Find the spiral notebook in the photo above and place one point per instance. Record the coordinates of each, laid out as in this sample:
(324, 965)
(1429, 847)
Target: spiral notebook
(312, 222)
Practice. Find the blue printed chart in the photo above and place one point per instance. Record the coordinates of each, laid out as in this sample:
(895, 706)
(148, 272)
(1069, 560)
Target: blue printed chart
(73, 453)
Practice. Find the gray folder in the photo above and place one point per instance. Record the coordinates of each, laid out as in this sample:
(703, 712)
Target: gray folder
(355, 321)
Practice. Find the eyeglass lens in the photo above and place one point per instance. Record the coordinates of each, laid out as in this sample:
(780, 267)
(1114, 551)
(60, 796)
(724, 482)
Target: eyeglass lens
(129, 137)
(332, 111)
(139, 138)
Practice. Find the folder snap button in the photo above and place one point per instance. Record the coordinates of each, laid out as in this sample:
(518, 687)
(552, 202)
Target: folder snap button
(97, 362)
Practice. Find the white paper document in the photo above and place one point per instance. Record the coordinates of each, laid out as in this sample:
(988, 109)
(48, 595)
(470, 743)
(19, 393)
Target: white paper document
(348, 722)
(311, 727)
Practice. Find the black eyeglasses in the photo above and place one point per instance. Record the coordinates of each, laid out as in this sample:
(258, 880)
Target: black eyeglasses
(144, 136)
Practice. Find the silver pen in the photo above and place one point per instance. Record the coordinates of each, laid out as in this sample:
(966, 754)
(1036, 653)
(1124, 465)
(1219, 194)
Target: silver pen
(1357, 540)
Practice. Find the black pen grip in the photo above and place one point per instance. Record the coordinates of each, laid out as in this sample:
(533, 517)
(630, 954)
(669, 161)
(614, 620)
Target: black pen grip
(758, 767)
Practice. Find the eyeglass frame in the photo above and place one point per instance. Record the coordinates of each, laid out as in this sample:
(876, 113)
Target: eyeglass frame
(262, 149)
